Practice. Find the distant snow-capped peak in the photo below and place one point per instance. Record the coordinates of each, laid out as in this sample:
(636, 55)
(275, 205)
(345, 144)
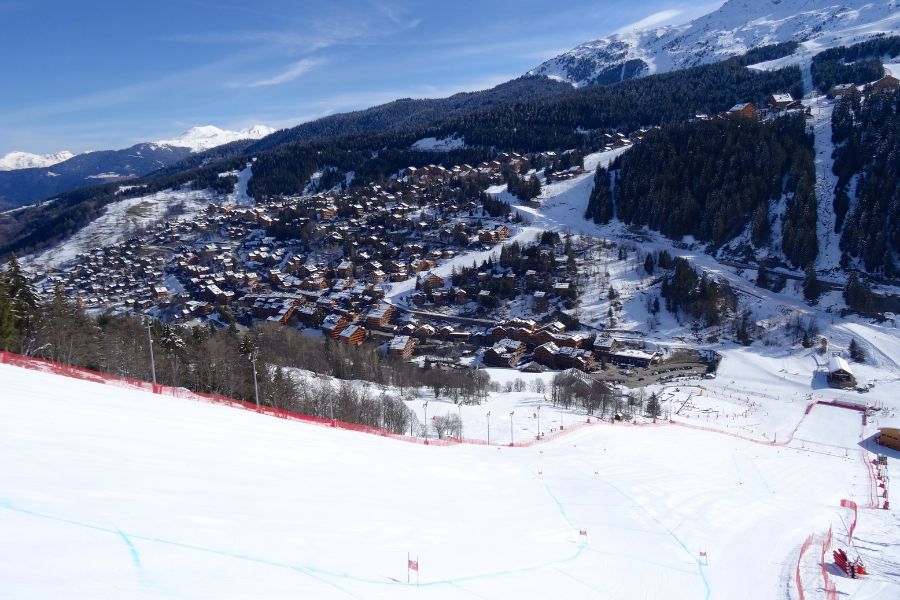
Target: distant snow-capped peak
(209, 136)
(734, 28)
(25, 160)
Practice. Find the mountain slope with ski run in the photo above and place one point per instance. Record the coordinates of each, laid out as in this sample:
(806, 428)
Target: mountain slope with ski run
(733, 29)
(153, 496)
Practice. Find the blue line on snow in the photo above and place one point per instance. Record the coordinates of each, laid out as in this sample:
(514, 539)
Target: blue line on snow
(135, 557)
(674, 537)
(313, 572)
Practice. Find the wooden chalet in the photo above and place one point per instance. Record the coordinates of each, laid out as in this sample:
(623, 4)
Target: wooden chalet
(334, 324)
(888, 82)
(505, 353)
(353, 335)
(842, 89)
(840, 375)
(566, 357)
(744, 110)
(401, 346)
(380, 317)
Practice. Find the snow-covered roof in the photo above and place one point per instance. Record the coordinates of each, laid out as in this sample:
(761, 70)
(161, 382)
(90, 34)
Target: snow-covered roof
(634, 353)
(836, 363)
(399, 342)
(782, 98)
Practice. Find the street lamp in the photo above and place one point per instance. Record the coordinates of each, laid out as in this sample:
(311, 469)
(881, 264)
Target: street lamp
(488, 415)
(152, 361)
(539, 421)
(425, 406)
(459, 406)
(253, 356)
(511, 427)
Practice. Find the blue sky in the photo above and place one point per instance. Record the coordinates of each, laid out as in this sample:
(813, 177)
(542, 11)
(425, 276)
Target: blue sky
(92, 74)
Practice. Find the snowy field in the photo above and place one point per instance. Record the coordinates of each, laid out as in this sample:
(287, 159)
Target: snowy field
(106, 492)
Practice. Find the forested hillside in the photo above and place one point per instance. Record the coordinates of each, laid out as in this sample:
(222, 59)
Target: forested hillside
(666, 98)
(866, 134)
(858, 64)
(409, 113)
(714, 179)
(575, 120)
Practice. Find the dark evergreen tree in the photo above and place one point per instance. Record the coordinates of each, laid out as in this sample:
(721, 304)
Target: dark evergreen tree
(600, 204)
(648, 264)
(9, 333)
(812, 289)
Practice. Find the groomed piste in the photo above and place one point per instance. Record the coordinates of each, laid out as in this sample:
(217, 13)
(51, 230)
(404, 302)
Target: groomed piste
(112, 491)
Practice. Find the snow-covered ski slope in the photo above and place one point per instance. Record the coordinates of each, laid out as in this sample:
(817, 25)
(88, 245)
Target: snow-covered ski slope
(109, 492)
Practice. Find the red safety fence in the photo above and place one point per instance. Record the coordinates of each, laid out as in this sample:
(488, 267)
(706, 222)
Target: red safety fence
(784, 442)
(853, 507)
(799, 580)
(830, 589)
(46, 366)
(873, 480)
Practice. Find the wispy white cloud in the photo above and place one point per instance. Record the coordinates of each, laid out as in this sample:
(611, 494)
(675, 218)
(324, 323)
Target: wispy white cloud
(658, 18)
(205, 74)
(292, 72)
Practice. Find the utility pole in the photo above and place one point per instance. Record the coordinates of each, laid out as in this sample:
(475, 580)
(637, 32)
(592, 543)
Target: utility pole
(539, 421)
(511, 427)
(459, 406)
(488, 415)
(152, 361)
(425, 406)
(253, 356)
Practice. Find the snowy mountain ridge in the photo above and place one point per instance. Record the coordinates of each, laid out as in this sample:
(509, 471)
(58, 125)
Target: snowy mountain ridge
(27, 160)
(209, 136)
(733, 29)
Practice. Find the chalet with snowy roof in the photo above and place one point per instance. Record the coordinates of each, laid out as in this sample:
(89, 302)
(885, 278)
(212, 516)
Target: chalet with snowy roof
(780, 102)
(493, 235)
(744, 110)
(840, 375)
(634, 357)
(886, 83)
(505, 353)
(380, 317)
(353, 335)
(334, 324)
(841, 89)
(432, 280)
(401, 346)
(553, 356)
